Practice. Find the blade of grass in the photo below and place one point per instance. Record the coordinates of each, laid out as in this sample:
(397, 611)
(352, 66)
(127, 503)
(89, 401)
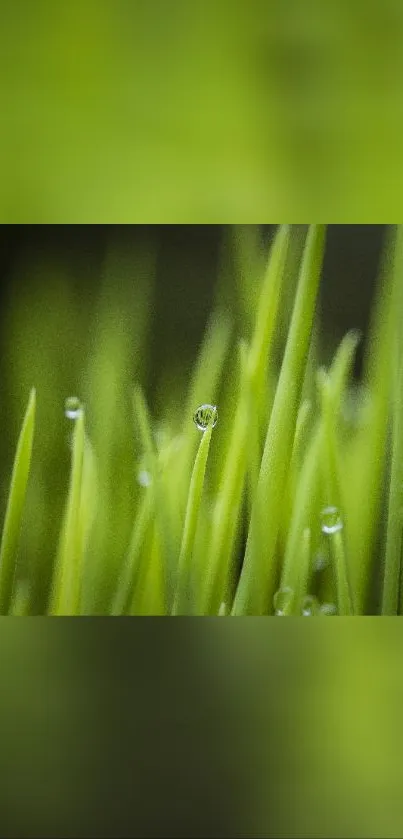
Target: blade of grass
(149, 594)
(366, 481)
(20, 605)
(133, 568)
(15, 506)
(183, 594)
(332, 483)
(66, 596)
(305, 505)
(164, 524)
(231, 487)
(255, 588)
(394, 532)
(299, 444)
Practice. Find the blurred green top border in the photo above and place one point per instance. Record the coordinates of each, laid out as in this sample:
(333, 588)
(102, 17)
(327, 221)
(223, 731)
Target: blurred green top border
(130, 112)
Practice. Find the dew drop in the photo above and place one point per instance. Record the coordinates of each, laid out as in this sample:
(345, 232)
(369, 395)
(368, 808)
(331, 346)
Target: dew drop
(72, 407)
(283, 601)
(310, 606)
(331, 520)
(328, 609)
(204, 416)
(144, 478)
(320, 563)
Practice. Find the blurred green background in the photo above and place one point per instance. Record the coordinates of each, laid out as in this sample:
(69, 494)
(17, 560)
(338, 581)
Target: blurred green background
(118, 111)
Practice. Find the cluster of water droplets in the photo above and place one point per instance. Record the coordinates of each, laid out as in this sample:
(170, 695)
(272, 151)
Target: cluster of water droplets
(311, 607)
(284, 601)
(284, 604)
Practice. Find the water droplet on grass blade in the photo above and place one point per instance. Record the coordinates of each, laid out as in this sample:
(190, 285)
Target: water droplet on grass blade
(204, 416)
(328, 609)
(331, 520)
(144, 478)
(320, 563)
(72, 407)
(310, 606)
(283, 601)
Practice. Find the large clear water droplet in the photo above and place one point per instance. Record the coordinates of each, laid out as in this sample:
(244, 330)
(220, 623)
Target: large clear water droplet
(283, 601)
(72, 407)
(331, 520)
(310, 606)
(204, 416)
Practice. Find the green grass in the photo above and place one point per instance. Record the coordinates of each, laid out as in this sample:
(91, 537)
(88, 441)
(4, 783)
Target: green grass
(145, 514)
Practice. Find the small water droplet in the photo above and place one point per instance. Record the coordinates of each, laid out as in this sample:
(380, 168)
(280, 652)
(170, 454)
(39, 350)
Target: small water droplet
(328, 609)
(283, 601)
(320, 563)
(310, 606)
(204, 416)
(144, 478)
(72, 407)
(331, 520)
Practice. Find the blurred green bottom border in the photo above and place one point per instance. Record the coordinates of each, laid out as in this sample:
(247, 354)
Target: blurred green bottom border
(201, 727)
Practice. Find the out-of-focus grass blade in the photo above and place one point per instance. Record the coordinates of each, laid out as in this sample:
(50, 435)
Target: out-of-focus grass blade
(394, 533)
(230, 491)
(66, 597)
(304, 508)
(184, 597)
(15, 506)
(332, 480)
(300, 439)
(133, 569)
(209, 365)
(204, 386)
(341, 366)
(365, 485)
(20, 604)
(255, 588)
(149, 593)
(163, 521)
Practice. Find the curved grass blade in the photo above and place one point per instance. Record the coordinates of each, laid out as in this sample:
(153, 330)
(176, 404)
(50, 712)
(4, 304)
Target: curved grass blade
(255, 588)
(15, 506)
(66, 596)
(184, 596)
